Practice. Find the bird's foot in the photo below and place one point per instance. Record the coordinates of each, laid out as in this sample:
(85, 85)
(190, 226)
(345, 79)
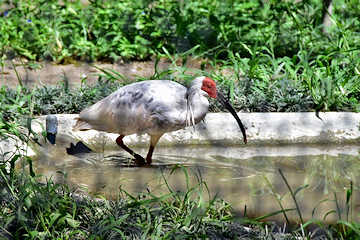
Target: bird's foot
(139, 160)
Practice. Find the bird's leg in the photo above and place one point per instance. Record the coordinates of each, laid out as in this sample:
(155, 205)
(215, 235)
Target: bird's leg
(138, 159)
(153, 141)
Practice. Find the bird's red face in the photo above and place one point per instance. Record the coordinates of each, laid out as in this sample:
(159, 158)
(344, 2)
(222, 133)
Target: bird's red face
(209, 86)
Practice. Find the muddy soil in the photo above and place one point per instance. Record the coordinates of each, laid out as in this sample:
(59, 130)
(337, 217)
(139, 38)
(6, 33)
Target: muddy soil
(48, 73)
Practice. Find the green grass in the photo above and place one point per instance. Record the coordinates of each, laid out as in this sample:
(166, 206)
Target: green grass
(272, 89)
(278, 54)
(137, 29)
(33, 210)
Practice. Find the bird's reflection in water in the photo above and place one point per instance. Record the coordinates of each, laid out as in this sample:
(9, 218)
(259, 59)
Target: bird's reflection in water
(162, 161)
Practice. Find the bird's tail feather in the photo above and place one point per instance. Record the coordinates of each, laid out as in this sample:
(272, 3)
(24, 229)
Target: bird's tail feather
(80, 125)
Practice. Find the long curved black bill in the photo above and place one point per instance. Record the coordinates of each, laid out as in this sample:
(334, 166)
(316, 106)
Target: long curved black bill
(228, 106)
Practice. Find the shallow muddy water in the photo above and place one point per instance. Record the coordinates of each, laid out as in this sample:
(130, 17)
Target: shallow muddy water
(244, 176)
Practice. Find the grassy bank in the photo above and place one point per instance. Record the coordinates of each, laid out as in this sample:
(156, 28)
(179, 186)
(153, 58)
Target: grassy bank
(31, 210)
(280, 55)
(246, 94)
(49, 210)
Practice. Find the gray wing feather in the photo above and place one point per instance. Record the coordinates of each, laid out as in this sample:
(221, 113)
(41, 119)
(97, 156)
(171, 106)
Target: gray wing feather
(148, 106)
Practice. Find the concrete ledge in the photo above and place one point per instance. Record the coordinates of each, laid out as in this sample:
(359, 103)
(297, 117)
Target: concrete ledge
(221, 128)
(216, 129)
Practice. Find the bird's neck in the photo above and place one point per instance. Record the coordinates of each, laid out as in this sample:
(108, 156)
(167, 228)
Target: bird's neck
(198, 105)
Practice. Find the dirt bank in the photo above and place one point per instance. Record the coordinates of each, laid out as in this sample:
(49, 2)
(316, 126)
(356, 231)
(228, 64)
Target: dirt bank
(45, 73)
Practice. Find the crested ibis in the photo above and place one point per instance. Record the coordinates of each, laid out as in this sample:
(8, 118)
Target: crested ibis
(153, 107)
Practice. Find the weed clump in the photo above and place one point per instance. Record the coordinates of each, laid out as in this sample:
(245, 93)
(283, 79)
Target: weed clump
(49, 210)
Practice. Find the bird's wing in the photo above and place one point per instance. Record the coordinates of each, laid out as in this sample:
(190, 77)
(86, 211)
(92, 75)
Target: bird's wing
(167, 104)
(136, 108)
